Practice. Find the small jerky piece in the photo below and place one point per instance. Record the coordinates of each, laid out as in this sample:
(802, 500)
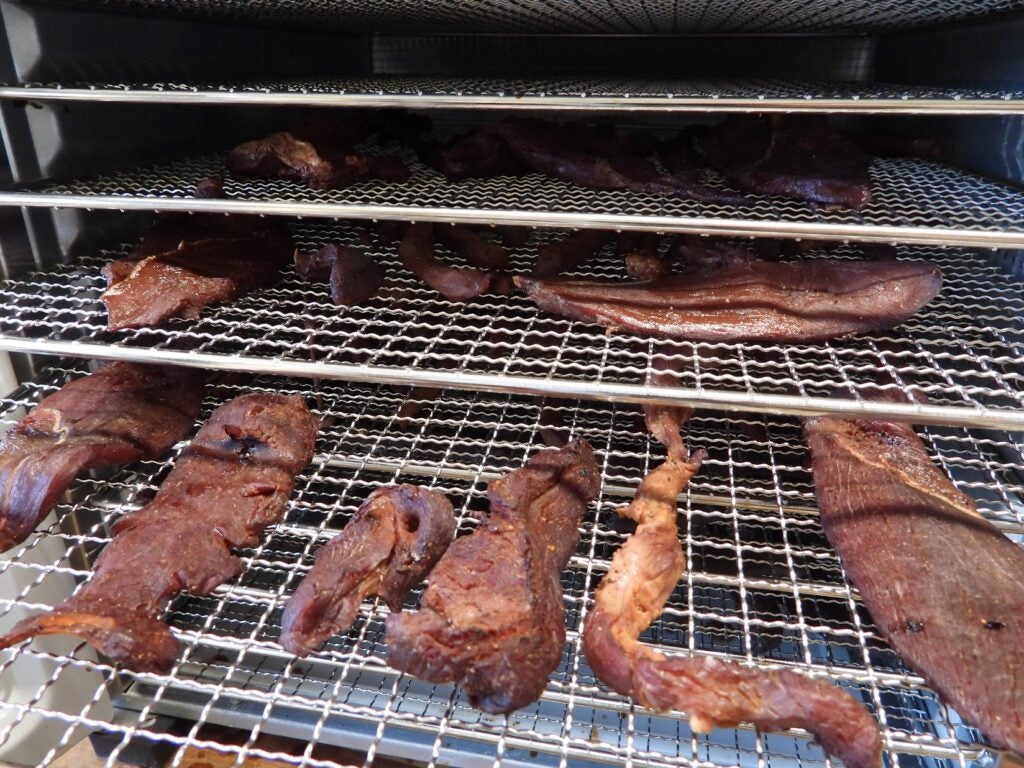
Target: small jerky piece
(454, 283)
(644, 265)
(694, 253)
(643, 574)
(492, 618)
(285, 156)
(471, 247)
(188, 262)
(554, 150)
(567, 254)
(391, 544)
(354, 276)
(942, 584)
(796, 157)
(757, 301)
(232, 481)
(211, 188)
(123, 413)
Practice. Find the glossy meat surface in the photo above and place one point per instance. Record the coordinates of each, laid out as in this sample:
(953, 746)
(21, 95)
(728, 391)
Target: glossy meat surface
(232, 481)
(796, 157)
(391, 544)
(454, 283)
(492, 619)
(943, 585)
(643, 574)
(123, 413)
(757, 301)
(188, 262)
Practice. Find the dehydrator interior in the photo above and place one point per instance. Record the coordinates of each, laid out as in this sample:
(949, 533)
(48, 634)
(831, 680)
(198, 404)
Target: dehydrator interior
(113, 111)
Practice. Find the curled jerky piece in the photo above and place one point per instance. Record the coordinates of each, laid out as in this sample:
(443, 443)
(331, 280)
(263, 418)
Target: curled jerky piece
(354, 276)
(568, 253)
(123, 413)
(471, 247)
(756, 301)
(943, 585)
(642, 576)
(232, 481)
(389, 546)
(454, 283)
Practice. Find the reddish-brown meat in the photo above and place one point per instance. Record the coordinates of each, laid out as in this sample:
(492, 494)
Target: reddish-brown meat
(694, 253)
(230, 484)
(568, 253)
(470, 246)
(555, 150)
(942, 584)
(354, 276)
(642, 576)
(285, 156)
(389, 546)
(797, 157)
(123, 413)
(757, 301)
(492, 617)
(646, 265)
(188, 262)
(454, 283)
(665, 421)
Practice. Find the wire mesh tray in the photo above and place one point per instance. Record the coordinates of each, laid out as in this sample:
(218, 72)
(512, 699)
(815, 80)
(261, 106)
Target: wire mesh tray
(763, 587)
(915, 201)
(562, 94)
(964, 351)
(609, 16)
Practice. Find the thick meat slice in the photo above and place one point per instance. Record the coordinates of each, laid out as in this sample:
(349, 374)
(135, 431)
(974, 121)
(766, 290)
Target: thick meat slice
(797, 157)
(389, 546)
(470, 246)
(642, 576)
(570, 252)
(758, 301)
(188, 262)
(285, 156)
(354, 276)
(943, 585)
(492, 617)
(123, 413)
(454, 283)
(232, 481)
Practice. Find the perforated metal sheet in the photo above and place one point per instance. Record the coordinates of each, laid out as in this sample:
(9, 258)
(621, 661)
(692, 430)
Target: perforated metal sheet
(915, 201)
(763, 587)
(561, 94)
(623, 16)
(964, 351)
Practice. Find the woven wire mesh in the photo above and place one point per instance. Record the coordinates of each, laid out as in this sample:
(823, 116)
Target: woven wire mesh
(763, 587)
(914, 201)
(565, 93)
(608, 16)
(964, 350)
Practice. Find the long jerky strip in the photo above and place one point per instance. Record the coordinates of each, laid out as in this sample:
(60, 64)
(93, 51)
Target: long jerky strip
(232, 482)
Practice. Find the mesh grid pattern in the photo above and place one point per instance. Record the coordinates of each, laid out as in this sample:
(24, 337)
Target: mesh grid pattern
(964, 351)
(763, 587)
(565, 93)
(607, 16)
(915, 201)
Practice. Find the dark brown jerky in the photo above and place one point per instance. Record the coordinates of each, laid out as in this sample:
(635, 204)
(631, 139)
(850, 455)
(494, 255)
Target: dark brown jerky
(797, 157)
(756, 301)
(470, 246)
(492, 618)
(942, 584)
(476, 155)
(454, 283)
(232, 481)
(285, 156)
(354, 276)
(694, 253)
(389, 546)
(569, 253)
(121, 414)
